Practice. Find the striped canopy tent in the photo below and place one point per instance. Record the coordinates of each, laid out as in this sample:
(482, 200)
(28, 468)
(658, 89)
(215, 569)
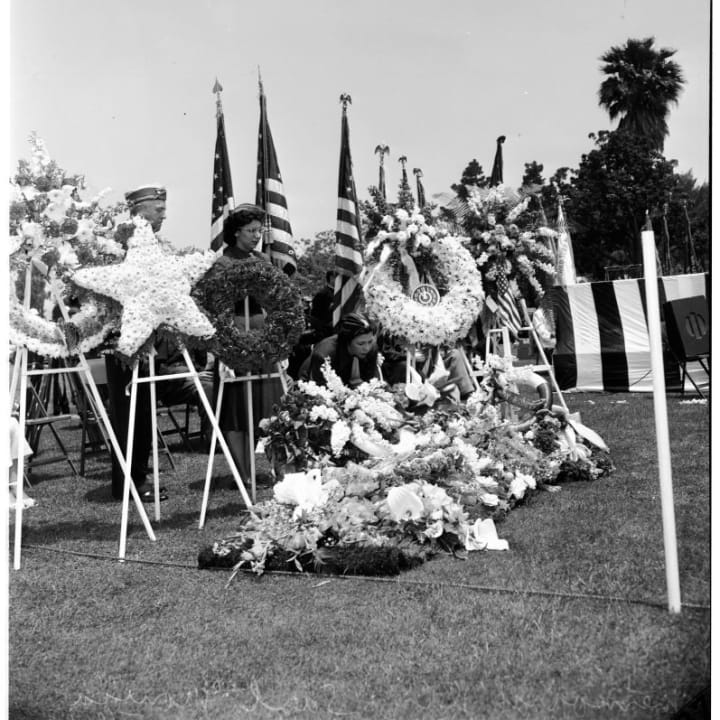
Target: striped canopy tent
(602, 336)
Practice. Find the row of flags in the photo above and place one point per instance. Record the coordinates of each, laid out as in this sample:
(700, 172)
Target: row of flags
(269, 192)
(277, 238)
(270, 195)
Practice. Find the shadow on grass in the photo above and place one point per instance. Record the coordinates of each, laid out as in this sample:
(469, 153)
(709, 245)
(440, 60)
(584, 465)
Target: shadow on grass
(81, 529)
(184, 519)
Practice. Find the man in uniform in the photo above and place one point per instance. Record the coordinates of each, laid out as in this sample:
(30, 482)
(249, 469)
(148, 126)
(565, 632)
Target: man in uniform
(147, 202)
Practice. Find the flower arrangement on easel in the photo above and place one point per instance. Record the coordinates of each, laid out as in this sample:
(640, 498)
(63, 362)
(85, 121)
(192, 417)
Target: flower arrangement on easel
(503, 235)
(423, 287)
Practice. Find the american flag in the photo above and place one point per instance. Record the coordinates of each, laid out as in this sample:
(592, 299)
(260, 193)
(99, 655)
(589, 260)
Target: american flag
(222, 197)
(348, 237)
(507, 312)
(420, 188)
(270, 195)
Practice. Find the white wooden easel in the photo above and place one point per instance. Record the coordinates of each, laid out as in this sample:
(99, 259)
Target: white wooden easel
(501, 336)
(20, 375)
(217, 434)
(153, 379)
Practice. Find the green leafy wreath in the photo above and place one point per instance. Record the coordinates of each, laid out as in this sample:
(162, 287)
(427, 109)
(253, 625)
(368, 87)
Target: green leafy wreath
(226, 284)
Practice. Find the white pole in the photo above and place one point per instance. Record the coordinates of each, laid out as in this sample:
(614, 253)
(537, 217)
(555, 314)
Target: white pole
(661, 422)
(128, 459)
(19, 489)
(153, 431)
(250, 418)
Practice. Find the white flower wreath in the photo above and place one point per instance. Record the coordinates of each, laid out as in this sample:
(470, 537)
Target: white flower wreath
(447, 321)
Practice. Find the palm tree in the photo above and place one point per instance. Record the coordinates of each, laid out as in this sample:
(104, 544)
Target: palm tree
(641, 86)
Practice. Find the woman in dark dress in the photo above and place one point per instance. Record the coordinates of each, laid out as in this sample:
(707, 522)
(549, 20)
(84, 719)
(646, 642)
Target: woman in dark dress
(242, 233)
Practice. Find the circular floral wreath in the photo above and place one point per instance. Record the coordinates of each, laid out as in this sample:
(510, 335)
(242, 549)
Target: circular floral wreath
(447, 321)
(227, 283)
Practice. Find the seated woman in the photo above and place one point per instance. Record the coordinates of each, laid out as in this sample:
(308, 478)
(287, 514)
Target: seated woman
(352, 353)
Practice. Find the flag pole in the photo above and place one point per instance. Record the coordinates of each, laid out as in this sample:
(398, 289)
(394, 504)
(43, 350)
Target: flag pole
(265, 191)
(382, 150)
(661, 420)
(222, 200)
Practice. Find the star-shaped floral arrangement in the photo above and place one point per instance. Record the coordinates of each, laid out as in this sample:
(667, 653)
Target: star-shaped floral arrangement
(153, 285)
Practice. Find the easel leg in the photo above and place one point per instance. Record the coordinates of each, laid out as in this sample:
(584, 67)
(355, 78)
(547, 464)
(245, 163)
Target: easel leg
(211, 454)
(217, 432)
(128, 460)
(251, 440)
(153, 430)
(90, 384)
(15, 375)
(17, 546)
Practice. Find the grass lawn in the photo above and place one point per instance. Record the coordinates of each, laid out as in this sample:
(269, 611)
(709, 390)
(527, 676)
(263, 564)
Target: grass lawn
(572, 622)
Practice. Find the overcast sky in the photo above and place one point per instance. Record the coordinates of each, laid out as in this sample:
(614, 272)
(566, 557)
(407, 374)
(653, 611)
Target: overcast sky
(123, 91)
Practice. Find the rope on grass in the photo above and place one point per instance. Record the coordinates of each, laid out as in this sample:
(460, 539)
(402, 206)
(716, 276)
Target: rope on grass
(394, 581)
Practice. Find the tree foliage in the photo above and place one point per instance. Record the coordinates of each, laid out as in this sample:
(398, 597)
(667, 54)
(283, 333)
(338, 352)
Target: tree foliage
(318, 258)
(472, 175)
(609, 194)
(641, 85)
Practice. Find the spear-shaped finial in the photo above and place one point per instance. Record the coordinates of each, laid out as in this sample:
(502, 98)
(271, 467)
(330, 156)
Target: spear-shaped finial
(346, 100)
(262, 91)
(648, 225)
(217, 89)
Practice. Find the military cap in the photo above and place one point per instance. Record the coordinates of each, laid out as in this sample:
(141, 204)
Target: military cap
(144, 193)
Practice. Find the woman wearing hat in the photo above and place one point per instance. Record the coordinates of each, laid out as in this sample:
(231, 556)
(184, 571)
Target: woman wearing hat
(352, 353)
(242, 233)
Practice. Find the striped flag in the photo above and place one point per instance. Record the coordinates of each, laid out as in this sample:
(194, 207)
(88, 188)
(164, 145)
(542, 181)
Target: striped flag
(222, 191)
(565, 264)
(507, 311)
(270, 195)
(420, 189)
(348, 237)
